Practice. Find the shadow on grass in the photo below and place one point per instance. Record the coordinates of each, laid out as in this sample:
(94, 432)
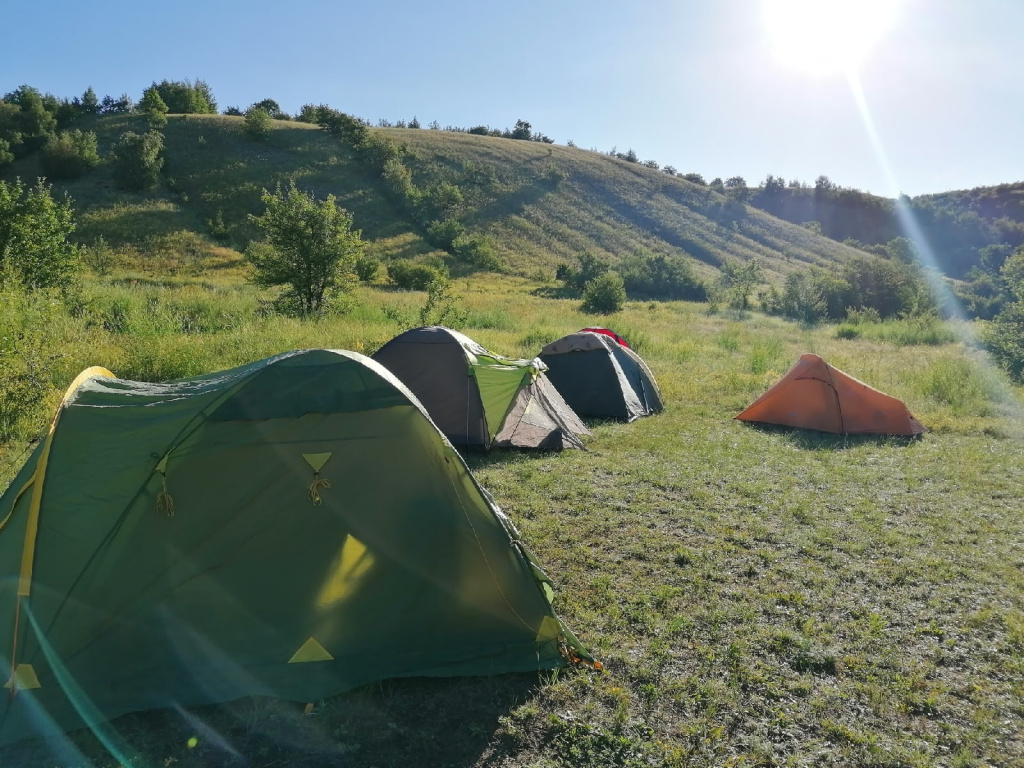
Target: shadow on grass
(477, 458)
(415, 722)
(811, 440)
(555, 292)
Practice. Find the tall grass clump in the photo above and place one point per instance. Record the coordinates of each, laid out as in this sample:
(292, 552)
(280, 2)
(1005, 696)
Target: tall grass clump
(962, 385)
(927, 330)
(41, 348)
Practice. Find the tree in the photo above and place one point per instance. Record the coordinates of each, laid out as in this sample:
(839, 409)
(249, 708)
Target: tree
(90, 104)
(271, 107)
(735, 181)
(153, 107)
(121, 106)
(70, 154)
(138, 159)
(523, 131)
(32, 122)
(739, 280)
(34, 230)
(184, 98)
(311, 248)
(695, 178)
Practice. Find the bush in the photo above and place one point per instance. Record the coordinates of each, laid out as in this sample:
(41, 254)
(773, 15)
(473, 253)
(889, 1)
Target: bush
(100, 257)
(1004, 337)
(661, 277)
(138, 159)
(443, 234)
(591, 267)
(890, 287)
(366, 268)
(257, 124)
(476, 251)
(604, 294)
(23, 362)
(70, 154)
(34, 230)
(410, 276)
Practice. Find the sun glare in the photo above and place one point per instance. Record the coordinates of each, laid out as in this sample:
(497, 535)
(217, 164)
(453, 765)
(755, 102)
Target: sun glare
(823, 37)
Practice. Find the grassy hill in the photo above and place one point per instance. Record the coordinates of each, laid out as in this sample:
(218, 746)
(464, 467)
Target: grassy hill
(539, 204)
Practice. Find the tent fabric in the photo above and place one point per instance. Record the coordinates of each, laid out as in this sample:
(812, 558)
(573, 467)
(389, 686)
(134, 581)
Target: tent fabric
(478, 398)
(243, 533)
(598, 377)
(606, 332)
(815, 395)
(540, 418)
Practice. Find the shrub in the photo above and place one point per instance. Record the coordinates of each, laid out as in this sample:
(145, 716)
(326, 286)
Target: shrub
(100, 257)
(590, 268)
(366, 268)
(443, 234)
(26, 359)
(661, 277)
(1004, 337)
(890, 287)
(410, 276)
(476, 251)
(257, 124)
(34, 231)
(604, 294)
(138, 159)
(70, 154)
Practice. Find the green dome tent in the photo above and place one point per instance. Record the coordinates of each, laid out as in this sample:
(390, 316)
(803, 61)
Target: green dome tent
(294, 527)
(479, 399)
(598, 376)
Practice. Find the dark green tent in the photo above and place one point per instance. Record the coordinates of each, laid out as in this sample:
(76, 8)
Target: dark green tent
(597, 376)
(479, 399)
(293, 528)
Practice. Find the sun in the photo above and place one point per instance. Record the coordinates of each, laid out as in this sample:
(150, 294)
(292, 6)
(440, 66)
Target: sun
(825, 37)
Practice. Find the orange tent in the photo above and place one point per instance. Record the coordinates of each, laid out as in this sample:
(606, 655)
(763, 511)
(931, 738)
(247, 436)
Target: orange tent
(814, 395)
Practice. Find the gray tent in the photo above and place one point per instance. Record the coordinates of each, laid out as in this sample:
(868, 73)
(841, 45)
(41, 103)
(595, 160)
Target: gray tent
(597, 376)
(477, 398)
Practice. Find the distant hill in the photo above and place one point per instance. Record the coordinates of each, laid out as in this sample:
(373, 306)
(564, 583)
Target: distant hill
(538, 204)
(957, 225)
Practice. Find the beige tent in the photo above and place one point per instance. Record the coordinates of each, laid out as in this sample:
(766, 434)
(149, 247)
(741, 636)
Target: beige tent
(814, 395)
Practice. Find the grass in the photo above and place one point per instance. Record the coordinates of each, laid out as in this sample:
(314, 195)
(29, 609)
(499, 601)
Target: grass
(758, 597)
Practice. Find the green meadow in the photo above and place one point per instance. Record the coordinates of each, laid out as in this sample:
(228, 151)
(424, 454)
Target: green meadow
(757, 597)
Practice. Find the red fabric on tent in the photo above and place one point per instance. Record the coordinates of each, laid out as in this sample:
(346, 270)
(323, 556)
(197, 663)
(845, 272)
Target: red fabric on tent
(607, 332)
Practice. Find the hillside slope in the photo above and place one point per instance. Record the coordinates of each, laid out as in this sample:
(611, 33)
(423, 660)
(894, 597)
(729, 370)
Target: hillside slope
(539, 204)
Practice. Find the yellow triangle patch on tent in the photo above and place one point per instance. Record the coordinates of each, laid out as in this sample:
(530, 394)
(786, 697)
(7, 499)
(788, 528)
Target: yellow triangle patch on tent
(311, 650)
(23, 679)
(316, 460)
(549, 629)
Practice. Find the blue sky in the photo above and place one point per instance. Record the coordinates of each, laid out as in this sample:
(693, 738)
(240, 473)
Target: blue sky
(700, 85)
